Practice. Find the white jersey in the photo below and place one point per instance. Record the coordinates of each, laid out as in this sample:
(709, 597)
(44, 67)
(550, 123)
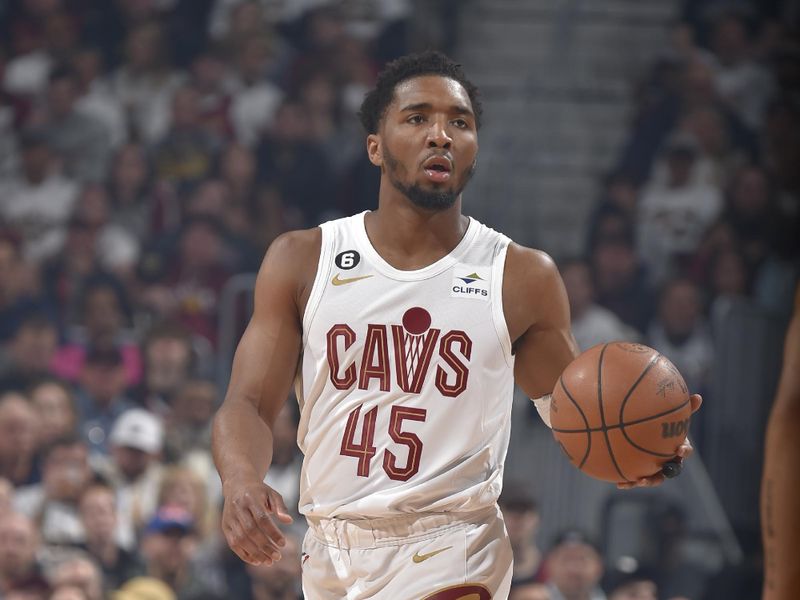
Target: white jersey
(406, 379)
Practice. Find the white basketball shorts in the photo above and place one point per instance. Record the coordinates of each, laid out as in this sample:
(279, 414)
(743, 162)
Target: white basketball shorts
(443, 556)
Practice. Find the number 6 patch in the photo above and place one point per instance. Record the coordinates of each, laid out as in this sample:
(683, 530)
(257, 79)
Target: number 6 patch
(347, 259)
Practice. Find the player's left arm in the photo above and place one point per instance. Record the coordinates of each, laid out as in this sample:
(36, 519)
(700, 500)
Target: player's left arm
(537, 314)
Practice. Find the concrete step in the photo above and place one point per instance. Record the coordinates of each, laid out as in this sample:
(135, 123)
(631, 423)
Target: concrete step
(556, 78)
(628, 11)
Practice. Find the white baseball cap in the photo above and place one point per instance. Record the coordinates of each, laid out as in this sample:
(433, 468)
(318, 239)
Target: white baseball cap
(140, 429)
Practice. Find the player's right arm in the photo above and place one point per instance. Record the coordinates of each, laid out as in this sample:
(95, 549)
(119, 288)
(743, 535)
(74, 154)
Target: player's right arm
(780, 486)
(264, 367)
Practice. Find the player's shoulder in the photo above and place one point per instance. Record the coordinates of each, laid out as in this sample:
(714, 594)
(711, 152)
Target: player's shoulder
(293, 253)
(297, 239)
(529, 266)
(296, 246)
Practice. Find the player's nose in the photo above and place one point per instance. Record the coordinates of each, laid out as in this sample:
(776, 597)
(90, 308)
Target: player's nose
(438, 136)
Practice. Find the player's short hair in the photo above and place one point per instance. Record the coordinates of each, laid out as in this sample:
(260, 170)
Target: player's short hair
(431, 62)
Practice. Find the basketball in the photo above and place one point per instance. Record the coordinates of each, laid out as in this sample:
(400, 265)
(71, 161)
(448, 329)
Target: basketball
(620, 411)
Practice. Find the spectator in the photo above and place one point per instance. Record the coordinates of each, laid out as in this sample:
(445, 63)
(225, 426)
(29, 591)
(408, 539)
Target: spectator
(38, 203)
(55, 409)
(17, 296)
(53, 503)
(81, 573)
(530, 591)
(95, 94)
(610, 224)
(12, 111)
(287, 153)
(188, 425)
(284, 473)
(26, 73)
(751, 216)
(181, 486)
(255, 98)
(19, 434)
(521, 515)
(169, 360)
(81, 140)
(238, 173)
(337, 133)
(148, 588)
(729, 276)
(212, 200)
(253, 215)
(743, 84)
(98, 512)
(116, 248)
(168, 547)
(65, 274)
(68, 592)
(280, 581)
(19, 543)
(145, 82)
(232, 19)
(718, 156)
(29, 353)
(591, 323)
(675, 572)
(100, 397)
(134, 469)
(730, 284)
(675, 214)
(6, 497)
(574, 568)
(186, 153)
(104, 312)
(780, 147)
(129, 188)
(190, 290)
(620, 199)
(686, 85)
(682, 335)
(621, 282)
(634, 585)
(211, 81)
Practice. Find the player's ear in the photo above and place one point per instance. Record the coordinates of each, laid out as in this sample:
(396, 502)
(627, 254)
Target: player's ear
(375, 149)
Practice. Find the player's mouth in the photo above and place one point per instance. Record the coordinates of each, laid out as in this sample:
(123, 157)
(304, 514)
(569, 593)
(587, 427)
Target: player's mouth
(438, 168)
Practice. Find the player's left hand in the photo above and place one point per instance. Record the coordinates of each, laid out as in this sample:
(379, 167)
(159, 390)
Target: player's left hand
(673, 467)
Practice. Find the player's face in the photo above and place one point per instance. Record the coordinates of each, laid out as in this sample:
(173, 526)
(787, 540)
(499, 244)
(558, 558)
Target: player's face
(427, 142)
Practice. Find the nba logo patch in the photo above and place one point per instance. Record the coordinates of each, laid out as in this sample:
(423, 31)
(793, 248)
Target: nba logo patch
(470, 281)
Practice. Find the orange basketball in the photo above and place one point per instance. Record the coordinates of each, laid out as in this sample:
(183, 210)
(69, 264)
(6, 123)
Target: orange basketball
(620, 411)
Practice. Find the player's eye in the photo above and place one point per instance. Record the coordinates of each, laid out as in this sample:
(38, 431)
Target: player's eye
(460, 123)
(415, 119)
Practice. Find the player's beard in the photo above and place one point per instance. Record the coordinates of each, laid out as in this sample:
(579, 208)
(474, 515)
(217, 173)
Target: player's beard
(427, 198)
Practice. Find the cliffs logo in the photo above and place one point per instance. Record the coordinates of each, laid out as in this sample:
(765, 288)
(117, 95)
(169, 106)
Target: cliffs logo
(471, 282)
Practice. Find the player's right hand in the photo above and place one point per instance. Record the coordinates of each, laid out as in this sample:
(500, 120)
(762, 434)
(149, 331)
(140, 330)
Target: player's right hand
(248, 521)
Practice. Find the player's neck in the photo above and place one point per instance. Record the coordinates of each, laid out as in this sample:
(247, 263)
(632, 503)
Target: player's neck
(409, 237)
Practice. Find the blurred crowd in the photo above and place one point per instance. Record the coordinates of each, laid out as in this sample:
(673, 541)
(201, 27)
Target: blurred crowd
(151, 149)
(701, 213)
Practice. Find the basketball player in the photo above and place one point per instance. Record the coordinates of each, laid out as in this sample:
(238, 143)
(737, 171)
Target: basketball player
(780, 488)
(405, 329)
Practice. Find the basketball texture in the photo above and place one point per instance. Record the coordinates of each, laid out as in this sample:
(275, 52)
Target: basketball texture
(620, 411)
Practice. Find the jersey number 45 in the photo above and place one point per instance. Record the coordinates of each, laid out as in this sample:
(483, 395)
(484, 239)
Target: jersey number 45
(365, 450)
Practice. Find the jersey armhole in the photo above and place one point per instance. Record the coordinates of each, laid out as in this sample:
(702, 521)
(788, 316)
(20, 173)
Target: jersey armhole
(498, 314)
(318, 287)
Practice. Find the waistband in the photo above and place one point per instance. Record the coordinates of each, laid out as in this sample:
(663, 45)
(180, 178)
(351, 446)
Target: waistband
(369, 533)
